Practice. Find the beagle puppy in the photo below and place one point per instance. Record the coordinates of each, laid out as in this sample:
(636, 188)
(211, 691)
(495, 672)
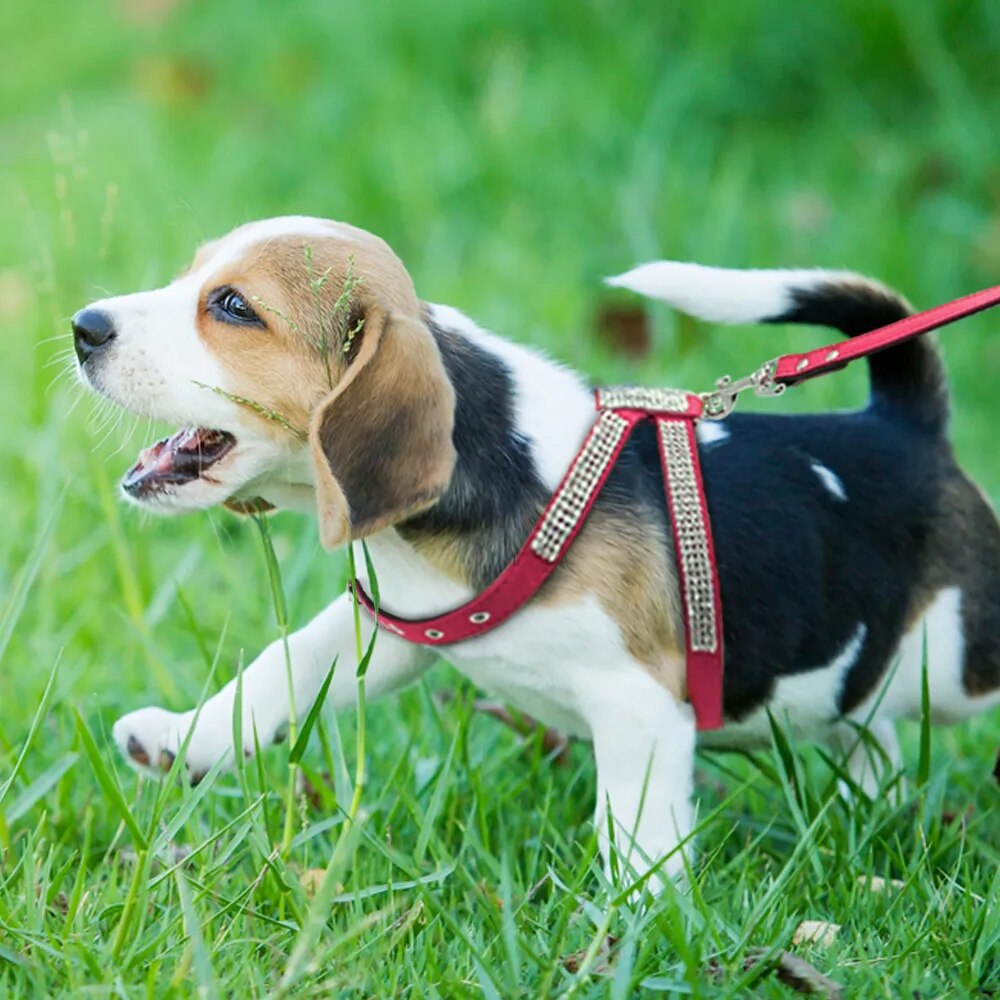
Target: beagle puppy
(305, 373)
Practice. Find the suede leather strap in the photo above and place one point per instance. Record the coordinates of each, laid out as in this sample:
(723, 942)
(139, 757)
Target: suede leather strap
(794, 368)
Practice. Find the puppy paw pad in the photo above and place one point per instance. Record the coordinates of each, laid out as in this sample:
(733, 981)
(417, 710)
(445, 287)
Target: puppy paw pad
(137, 751)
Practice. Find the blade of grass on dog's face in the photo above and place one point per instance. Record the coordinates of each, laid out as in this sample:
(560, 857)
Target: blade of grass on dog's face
(372, 576)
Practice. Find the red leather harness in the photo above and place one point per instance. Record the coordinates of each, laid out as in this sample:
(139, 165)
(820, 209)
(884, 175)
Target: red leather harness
(675, 413)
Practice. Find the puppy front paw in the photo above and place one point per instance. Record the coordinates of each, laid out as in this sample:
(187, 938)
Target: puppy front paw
(151, 738)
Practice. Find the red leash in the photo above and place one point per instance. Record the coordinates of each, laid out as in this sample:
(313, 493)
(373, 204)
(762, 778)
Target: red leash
(675, 413)
(772, 378)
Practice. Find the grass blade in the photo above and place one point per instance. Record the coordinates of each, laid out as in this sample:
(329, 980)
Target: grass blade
(40, 786)
(372, 576)
(15, 605)
(202, 962)
(41, 712)
(441, 786)
(310, 720)
(6, 955)
(924, 760)
(109, 786)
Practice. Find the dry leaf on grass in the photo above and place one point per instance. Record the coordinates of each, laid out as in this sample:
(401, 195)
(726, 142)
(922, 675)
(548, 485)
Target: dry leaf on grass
(817, 932)
(949, 816)
(602, 960)
(312, 878)
(172, 81)
(625, 329)
(875, 883)
(304, 787)
(796, 973)
(59, 902)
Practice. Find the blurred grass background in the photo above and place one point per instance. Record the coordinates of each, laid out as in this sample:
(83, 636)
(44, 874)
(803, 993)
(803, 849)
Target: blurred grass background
(512, 155)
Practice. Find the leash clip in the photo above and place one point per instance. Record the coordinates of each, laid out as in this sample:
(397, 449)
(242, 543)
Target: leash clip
(721, 401)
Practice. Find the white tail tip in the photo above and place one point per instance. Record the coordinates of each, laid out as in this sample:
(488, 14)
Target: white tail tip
(719, 294)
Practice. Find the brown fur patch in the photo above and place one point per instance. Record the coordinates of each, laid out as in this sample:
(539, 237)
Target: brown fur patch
(383, 439)
(963, 550)
(627, 564)
(344, 355)
(296, 284)
(623, 555)
(448, 553)
(624, 559)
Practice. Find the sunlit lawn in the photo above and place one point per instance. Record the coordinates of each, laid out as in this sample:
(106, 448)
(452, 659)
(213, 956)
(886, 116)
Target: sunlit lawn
(512, 154)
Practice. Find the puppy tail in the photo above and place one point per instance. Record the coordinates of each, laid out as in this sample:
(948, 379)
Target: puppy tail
(908, 378)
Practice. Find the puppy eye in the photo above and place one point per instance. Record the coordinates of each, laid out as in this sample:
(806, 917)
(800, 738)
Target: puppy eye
(230, 306)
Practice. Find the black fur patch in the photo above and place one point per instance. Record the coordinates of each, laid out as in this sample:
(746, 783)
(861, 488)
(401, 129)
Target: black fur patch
(801, 568)
(909, 376)
(495, 495)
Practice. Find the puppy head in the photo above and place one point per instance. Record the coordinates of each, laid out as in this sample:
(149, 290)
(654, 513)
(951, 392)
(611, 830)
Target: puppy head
(293, 354)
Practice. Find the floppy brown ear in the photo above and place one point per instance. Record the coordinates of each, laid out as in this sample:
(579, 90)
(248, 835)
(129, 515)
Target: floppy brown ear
(381, 441)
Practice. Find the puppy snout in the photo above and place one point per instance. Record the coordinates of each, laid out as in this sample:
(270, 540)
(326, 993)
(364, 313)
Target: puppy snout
(93, 329)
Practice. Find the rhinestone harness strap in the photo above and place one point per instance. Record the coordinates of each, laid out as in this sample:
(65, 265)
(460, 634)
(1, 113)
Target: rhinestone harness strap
(675, 413)
(620, 411)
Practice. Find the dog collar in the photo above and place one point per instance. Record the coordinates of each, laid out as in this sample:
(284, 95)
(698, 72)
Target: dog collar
(675, 413)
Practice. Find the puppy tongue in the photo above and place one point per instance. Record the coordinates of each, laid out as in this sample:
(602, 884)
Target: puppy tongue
(180, 458)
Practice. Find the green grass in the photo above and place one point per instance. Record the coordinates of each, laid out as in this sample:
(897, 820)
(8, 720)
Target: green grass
(512, 154)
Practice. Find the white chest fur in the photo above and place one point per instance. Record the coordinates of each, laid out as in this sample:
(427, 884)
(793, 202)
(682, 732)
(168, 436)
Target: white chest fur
(555, 664)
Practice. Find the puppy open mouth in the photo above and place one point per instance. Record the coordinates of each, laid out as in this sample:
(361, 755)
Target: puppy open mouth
(184, 457)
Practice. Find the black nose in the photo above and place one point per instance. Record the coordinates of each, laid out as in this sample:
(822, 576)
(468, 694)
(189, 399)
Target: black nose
(92, 330)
